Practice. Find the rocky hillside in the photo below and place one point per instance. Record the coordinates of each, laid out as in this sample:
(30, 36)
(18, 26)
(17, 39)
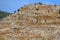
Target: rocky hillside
(32, 22)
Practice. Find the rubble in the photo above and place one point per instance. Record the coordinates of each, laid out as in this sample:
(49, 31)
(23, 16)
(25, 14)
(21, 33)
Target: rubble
(30, 23)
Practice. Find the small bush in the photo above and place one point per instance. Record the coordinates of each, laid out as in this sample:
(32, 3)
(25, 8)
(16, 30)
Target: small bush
(55, 5)
(40, 3)
(14, 11)
(59, 11)
(37, 9)
(18, 10)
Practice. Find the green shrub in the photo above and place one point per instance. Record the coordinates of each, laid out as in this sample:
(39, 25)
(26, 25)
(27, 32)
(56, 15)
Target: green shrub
(59, 11)
(4, 14)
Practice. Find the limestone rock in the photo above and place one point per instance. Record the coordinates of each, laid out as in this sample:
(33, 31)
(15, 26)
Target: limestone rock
(32, 22)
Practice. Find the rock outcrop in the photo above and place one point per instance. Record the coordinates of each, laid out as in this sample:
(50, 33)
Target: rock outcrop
(32, 22)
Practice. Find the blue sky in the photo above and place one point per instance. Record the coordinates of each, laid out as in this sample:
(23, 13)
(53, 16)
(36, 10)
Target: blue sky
(12, 5)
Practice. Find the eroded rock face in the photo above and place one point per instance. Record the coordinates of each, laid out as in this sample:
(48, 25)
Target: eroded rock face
(32, 22)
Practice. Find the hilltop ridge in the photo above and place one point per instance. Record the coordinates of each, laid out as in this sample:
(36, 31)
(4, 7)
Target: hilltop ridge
(36, 11)
(32, 22)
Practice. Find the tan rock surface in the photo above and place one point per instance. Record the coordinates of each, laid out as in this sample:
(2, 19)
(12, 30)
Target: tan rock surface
(32, 22)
